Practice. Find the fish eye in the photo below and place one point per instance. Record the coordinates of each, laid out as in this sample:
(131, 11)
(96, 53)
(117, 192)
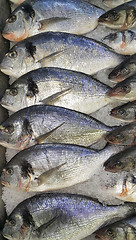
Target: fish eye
(13, 91)
(12, 54)
(110, 232)
(133, 179)
(10, 171)
(122, 112)
(124, 71)
(126, 88)
(11, 19)
(115, 16)
(118, 164)
(9, 129)
(12, 222)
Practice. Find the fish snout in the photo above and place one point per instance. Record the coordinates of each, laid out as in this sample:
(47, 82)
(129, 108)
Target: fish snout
(111, 139)
(115, 92)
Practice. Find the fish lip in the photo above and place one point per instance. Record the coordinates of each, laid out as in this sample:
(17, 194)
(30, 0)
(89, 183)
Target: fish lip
(5, 183)
(5, 70)
(6, 235)
(99, 237)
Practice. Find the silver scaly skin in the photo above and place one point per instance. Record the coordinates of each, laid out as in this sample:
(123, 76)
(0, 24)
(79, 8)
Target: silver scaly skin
(61, 216)
(50, 124)
(114, 3)
(55, 86)
(62, 50)
(36, 16)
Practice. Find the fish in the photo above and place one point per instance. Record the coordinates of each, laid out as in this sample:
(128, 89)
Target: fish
(124, 91)
(49, 124)
(124, 161)
(61, 216)
(123, 42)
(56, 86)
(125, 112)
(114, 3)
(123, 135)
(36, 16)
(48, 167)
(62, 50)
(124, 70)
(122, 230)
(121, 17)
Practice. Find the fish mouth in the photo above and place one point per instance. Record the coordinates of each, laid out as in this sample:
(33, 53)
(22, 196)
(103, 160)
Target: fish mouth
(112, 140)
(116, 92)
(13, 37)
(6, 236)
(5, 183)
(115, 78)
(8, 107)
(5, 70)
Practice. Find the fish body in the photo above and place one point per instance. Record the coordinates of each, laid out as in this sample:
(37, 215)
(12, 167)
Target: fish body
(114, 3)
(62, 50)
(124, 70)
(47, 167)
(123, 135)
(122, 230)
(126, 112)
(61, 216)
(125, 90)
(50, 124)
(123, 42)
(121, 17)
(36, 16)
(83, 93)
(124, 161)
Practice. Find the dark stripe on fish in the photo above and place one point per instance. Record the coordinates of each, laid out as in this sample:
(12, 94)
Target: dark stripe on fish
(27, 218)
(26, 169)
(28, 10)
(31, 49)
(32, 88)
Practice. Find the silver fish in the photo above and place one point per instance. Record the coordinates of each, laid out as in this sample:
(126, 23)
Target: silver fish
(36, 16)
(39, 123)
(121, 17)
(122, 230)
(114, 3)
(59, 87)
(62, 50)
(123, 42)
(61, 216)
(47, 167)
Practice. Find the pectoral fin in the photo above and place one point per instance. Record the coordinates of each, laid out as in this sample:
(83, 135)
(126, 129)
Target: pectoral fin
(48, 174)
(50, 57)
(47, 22)
(42, 138)
(53, 98)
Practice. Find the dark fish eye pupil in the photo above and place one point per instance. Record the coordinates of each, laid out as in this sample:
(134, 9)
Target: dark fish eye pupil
(12, 54)
(13, 222)
(12, 19)
(10, 171)
(109, 231)
(118, 164)
(13, 91)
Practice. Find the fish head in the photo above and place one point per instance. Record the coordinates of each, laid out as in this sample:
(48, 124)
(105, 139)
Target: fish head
(125, 90)
(19, 24)
(129, 189)
(124, 135)
(14, 97)
(17, 226)
(111, 232)
(124, 112)
(114, 18)
(17, 61)
(122, 71)
(10, 176)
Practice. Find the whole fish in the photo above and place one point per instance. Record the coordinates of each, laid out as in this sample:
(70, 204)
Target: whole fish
(50, 124)
(59, 87)
(124, 70)
(62, 50)
(125, 91)
(121, 17)
(122, 230)
(36, 16)
(122, 161)
(123, 42)
(47, 167)
(123, 135)
(114, 3)
(61, 216)
(126, 112)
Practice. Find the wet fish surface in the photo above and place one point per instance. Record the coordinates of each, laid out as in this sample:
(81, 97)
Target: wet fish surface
(121, 17)
(62, 50)
(122, 230)
(36, 16)
(47, 167)
(123, 135)
(125, 112)
(50, 124)
(122, 161)
(52, 216)
(59, 87)
(124, 70)
(125, 90)
(114, 3)
(123, 42)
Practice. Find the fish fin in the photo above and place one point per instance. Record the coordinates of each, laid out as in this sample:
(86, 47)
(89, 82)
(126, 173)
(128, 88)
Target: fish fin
(43, 177)
(50, 57)
(39, 232)
(46, 22)
(41, 138)
(53, 98)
